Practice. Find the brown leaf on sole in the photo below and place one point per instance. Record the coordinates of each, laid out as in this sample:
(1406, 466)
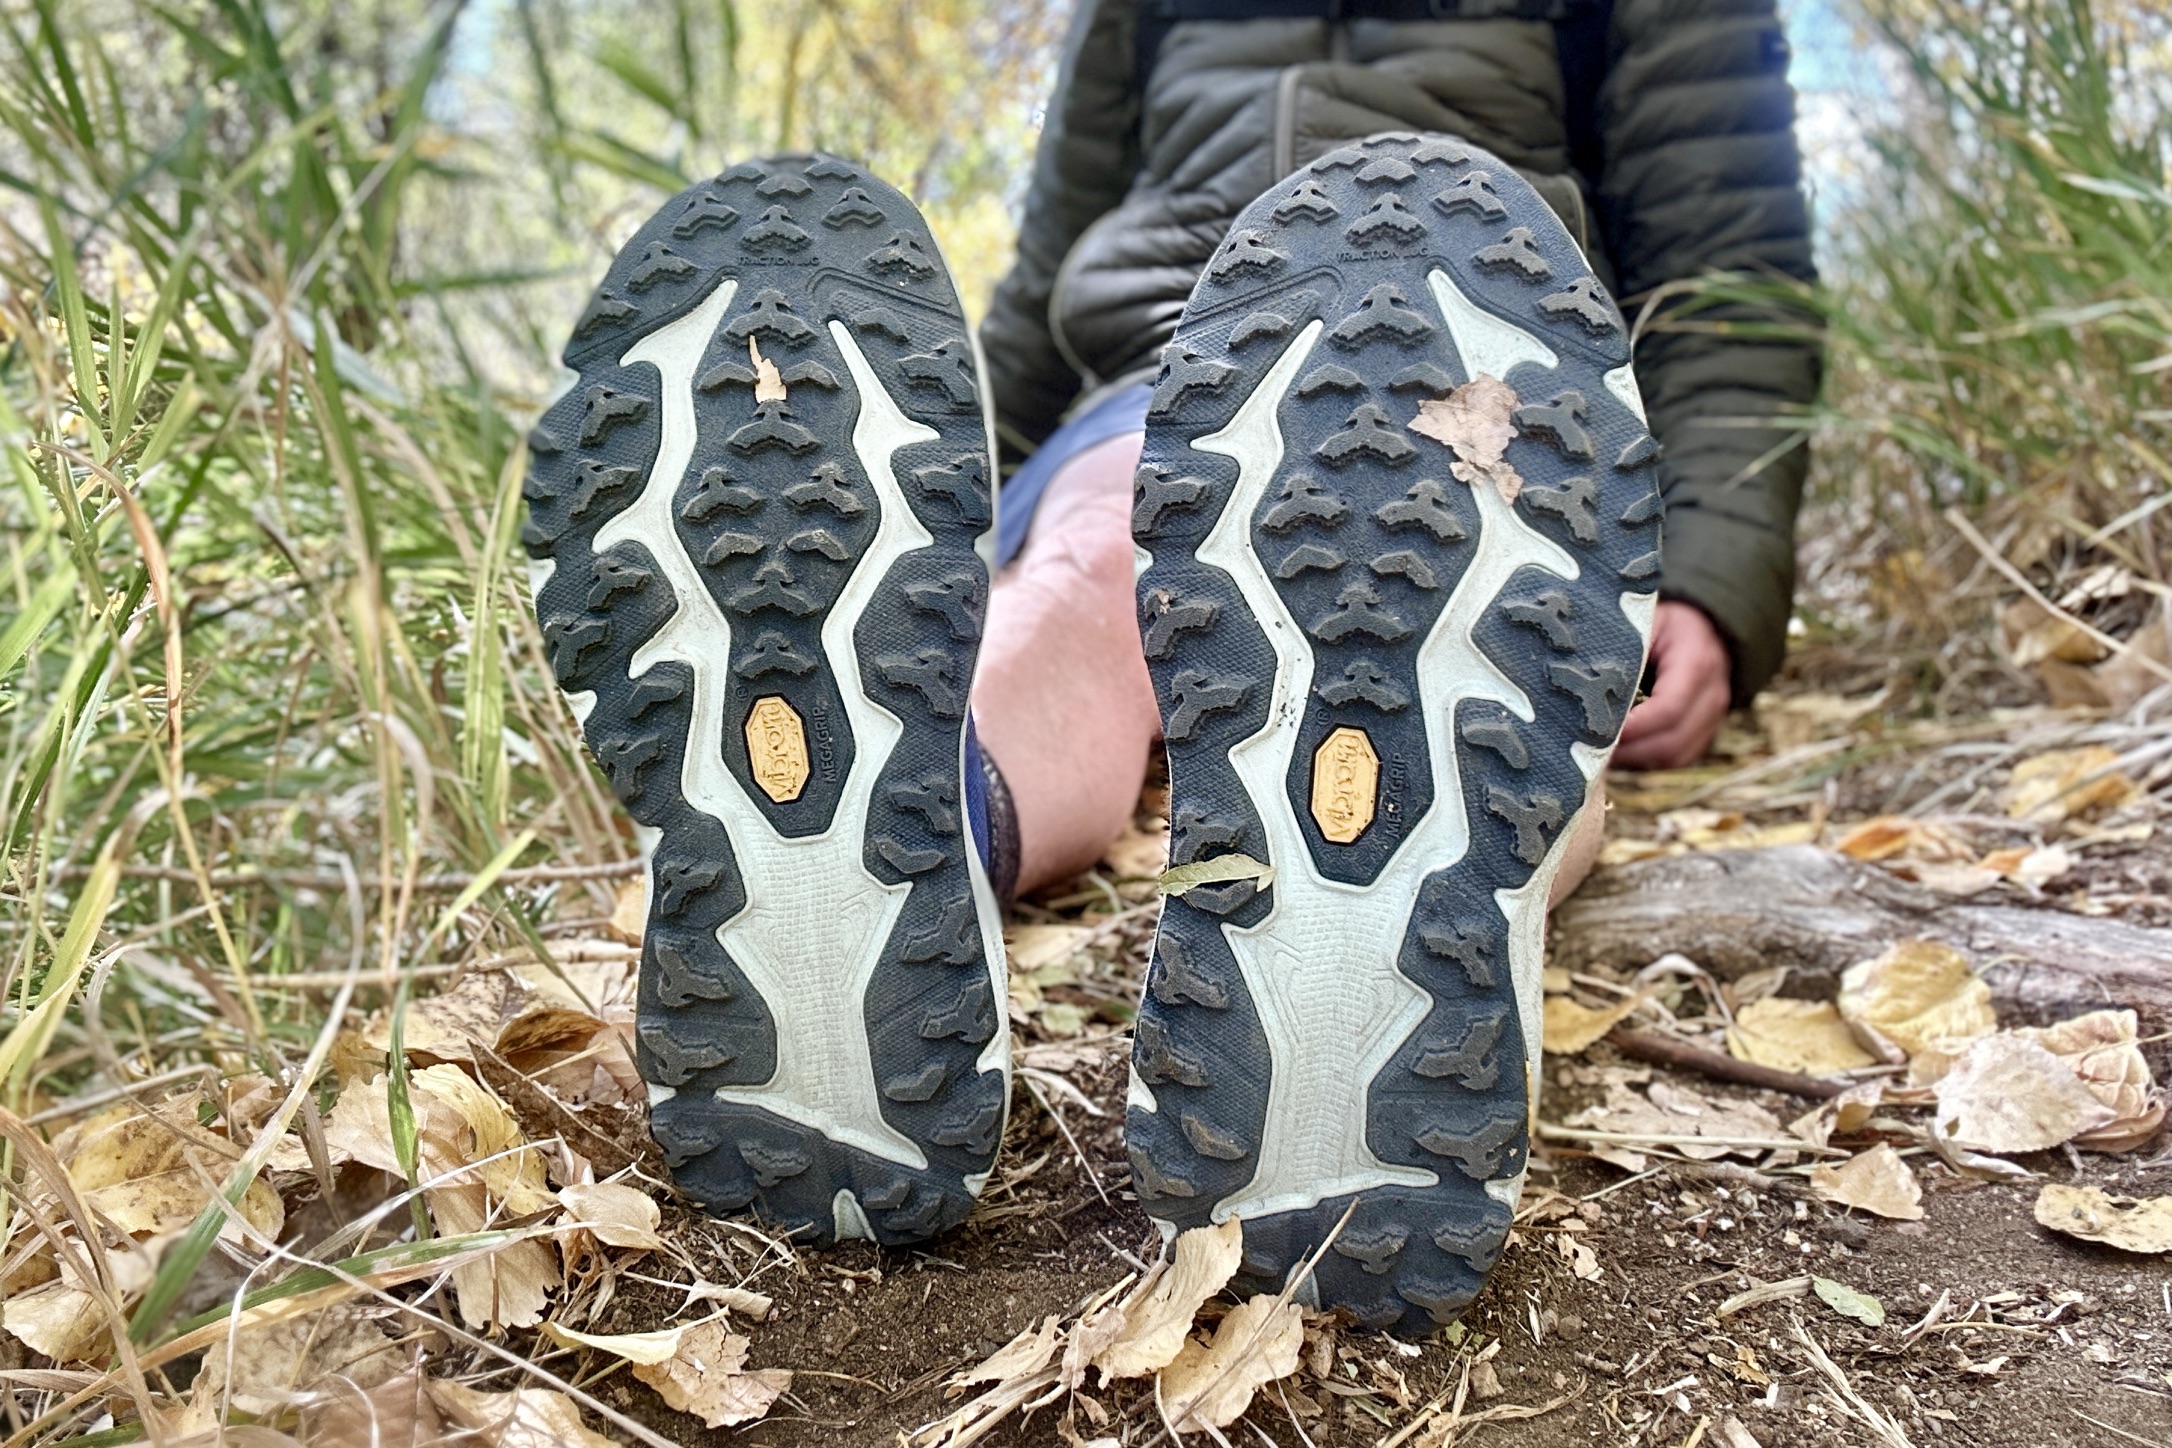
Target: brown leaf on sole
(1477, 422)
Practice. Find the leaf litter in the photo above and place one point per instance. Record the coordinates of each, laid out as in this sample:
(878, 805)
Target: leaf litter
(569, 1042)
(140, 1172)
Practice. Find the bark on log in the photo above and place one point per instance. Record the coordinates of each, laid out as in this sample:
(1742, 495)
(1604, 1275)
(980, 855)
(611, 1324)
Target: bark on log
(1735, 911)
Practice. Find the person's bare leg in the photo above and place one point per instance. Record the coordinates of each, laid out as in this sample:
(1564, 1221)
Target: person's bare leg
(1062, 702)
(1583, 852)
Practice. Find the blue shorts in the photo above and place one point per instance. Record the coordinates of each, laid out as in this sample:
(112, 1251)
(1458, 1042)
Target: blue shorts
(1113, 416)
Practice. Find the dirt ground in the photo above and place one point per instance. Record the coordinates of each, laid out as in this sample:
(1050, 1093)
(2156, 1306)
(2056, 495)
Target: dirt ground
(1609, 1319)
(2039, 1336)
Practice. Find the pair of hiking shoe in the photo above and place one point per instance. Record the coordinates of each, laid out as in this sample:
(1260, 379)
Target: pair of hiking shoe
(1392, 647)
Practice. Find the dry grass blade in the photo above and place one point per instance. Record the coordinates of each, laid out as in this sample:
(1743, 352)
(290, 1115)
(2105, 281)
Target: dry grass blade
(1032, 1080)
(2119, 1433)
(1552, 1132)
(1882, 1426)
(1765, 1292)
(1426, 1415)
(2018, 579)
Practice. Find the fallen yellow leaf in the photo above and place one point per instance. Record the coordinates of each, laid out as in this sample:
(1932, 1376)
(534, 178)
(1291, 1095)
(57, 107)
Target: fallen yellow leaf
(1629, 851)
(458, 1125)
(708, 1377)
(267, 1365)
(2143, 1226)
(2006, 1094)
(1138, 854)
(1792, 1035)
(1210, 1385)
(1033, 948)
(2105, 1051)
(1891, 837)
(59, 1320)
(1160, 1314)
(2033, 867)
(523, 1418)
(1917, 993)
(145, 1168)
(618, 1215)
(1844, 1113)
(645, 1348)
(1876, 1180)
(1021, 1357)
(2068, 784)
(630, 909)
(1571, 1027)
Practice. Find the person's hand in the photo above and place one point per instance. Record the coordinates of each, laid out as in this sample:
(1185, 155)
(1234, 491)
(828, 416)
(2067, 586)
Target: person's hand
(1675, 725)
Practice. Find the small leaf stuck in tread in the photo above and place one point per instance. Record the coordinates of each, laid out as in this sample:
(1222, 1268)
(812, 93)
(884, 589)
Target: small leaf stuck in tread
(1476, 422)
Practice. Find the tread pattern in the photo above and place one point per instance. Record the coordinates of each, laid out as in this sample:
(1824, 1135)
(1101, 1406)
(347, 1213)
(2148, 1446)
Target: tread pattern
(775, 519)
(1364, 536)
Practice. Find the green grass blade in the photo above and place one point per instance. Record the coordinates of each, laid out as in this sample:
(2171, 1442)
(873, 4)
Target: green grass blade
(75, 318)
(44, 606)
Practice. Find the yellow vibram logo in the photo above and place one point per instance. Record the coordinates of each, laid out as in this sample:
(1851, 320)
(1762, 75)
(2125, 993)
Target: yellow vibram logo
(1345, 784)
(777, 748)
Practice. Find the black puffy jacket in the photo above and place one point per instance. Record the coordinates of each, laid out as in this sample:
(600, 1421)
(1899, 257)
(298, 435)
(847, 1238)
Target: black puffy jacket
(1660, 130)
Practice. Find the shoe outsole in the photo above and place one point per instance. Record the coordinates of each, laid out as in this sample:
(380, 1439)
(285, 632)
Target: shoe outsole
(1394, 688)
(766, 614)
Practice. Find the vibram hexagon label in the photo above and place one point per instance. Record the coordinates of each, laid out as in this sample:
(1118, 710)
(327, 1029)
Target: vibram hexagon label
(1345, 784)
(777, 748)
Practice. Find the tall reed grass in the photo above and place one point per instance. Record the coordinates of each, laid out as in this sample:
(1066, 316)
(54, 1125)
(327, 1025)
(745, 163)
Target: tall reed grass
(279, 284)
(1999, 309)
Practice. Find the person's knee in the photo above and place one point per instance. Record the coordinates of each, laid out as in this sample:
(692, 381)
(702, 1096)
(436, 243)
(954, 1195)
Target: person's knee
(1089, 500)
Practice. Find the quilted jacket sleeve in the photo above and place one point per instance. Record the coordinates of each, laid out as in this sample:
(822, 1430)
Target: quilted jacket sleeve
(1700, 172)
(1088, 154)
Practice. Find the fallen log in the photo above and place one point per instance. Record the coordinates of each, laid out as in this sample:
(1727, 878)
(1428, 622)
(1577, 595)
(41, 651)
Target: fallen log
(1817, 912)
